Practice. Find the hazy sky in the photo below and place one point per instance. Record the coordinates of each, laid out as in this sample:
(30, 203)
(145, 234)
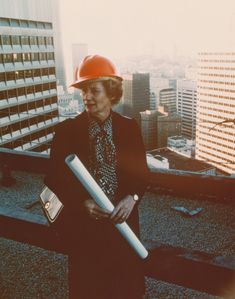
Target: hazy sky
(119, 28)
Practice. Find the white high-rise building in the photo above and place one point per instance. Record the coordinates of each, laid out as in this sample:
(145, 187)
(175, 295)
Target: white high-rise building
(28, 95)
(186, 106)
(215, 140)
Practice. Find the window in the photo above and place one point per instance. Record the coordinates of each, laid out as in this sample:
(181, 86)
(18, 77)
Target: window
(38, 88)
(3, 95)
(21, 91)
(51, 71)
(53, 100)
(26, 57)
(28, 74)
(4, 22)
(15, 40)
(45, 72)
(30, 107)
(2, 77)
(33, 40)
(19, 75)
(49, 40)
(42, 56)
(35, 56)
(17, 57)
(7, 58)
(24, 23)
(40, 25)
(53, 85)
(29, 90)
(32, 24)
(10, 76)
(50, 56)
(11, 93)
(46, 87)
(24, 40)
(41, 40)
(36, 73)
(6, 40)
(15, 23)
(48, 25)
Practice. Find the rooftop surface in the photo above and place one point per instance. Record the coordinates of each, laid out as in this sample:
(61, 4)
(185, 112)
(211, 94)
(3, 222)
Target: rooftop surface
(30, 272)
(181, 162)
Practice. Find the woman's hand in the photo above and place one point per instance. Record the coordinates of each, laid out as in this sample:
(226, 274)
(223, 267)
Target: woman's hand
(94, 211)
(123, 210)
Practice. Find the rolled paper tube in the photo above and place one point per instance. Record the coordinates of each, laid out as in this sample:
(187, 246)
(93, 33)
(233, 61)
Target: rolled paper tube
(82, 174)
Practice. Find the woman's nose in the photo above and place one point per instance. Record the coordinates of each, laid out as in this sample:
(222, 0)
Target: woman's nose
(87, 95)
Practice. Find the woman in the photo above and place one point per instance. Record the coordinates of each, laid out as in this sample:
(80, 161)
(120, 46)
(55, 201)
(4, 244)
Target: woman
(101, 263)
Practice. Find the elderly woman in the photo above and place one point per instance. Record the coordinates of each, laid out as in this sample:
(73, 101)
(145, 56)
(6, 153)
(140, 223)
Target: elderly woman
(102, 264)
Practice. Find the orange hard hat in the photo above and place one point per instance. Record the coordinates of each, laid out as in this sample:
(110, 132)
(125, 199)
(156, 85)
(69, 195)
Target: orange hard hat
(95, 67)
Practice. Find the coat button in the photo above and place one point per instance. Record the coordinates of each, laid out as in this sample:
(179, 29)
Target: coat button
(47, 205)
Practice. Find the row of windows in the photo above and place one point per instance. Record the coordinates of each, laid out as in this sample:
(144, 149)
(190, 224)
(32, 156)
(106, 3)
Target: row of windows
(24, 23)
(217, 82)
(217, 60)
(217, 75)
(217, 103)
(217, 68)
(217, 129)
(218, 143)
(212, 115)
(216, 89)
(28, 122)
(12, 93)
(23, 40)
(24, 74)
(224, 160)
(210, 108)
(26, 57)
(31, 140)
(215, 96)
(218, 53)
(27, 107)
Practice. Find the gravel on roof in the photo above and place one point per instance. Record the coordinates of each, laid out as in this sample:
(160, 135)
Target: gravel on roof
(29, 272)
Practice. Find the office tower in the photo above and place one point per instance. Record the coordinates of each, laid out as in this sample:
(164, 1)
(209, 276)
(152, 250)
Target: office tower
(167, 126)
(28, 96)
(156, 84)
(215, 140)
(186, 106)
(79, 51)
(172, 83)
(167, 99)
(149, 128)
(59, 55)
(136, 94)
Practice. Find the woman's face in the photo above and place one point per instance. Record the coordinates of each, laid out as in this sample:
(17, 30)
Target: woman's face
(96, 101)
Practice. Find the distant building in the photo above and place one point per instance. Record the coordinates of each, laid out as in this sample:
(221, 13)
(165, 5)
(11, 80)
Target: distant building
(215, 140)
(136, 94)
(149, 128)
(167, 125)
(79, 52)
(186, 106)
(182, 145)
(156, 84)
(153, 101)
(157, 161)
(167, 99)
(181, 162)
(172, 83)
(28, 95)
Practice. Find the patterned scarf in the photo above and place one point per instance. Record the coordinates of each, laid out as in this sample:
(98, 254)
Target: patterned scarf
(102, 159)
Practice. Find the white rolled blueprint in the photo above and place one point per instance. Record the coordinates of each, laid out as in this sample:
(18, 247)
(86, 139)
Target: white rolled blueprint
(82, 174)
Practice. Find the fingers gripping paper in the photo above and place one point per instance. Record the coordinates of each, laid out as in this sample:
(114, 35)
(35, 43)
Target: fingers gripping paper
(82, 174)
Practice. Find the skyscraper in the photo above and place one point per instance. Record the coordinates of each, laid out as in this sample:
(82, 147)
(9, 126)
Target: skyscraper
(215, 131)
(28, 96)
(149, 128)
(79, 51)
(186, 106)
(136, 94)
(167, 99)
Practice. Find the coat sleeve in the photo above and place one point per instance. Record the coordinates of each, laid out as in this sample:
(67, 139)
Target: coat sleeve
(59, 177)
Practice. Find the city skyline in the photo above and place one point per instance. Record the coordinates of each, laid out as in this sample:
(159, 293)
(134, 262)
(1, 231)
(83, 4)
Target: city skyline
(155, 27)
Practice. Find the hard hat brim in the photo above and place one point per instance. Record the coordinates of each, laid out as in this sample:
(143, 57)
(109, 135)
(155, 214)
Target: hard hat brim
(78, 83)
